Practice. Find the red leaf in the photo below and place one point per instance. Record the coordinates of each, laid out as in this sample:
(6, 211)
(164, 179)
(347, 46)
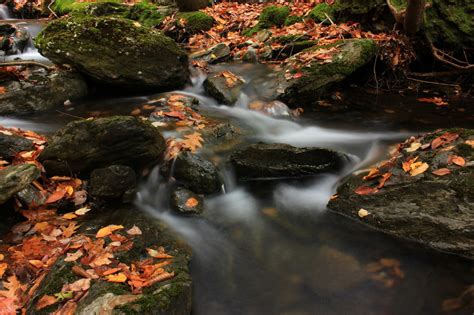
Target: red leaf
(365, 190)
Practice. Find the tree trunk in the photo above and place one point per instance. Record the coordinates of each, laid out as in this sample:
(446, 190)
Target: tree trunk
(414, 16)
(191, 5)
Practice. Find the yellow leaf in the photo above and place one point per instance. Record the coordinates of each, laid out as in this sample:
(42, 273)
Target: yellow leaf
(420, 169)
(119, 277)
(69, 216)
(37, 263)
(363, 213)
(413, 147)
(82, 211)
(103, 232)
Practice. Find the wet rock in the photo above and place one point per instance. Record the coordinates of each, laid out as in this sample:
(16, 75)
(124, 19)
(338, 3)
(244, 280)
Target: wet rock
(172, 296)
(436, 211)
(116, 182)
(82, 146)
(273, 108)
(224, 86)
(275, 160)
(127, 50)
(215, 54)
(197, 174)
(250, 55)
(318, 75)
(184, 201)
(14, 39)
(40, 90)
(16, 178)
(10, 145)
(31, 195)
(163, 104)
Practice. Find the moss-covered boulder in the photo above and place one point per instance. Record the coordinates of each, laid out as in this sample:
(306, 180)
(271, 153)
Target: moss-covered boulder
(146, 13)
(115, 51)
(313, 78)
(197, 21)
(172, 296)
(224, 86)
(322, 12)
(428, 196)
(40, 90)
(61, 7)
(450, 25)
(84, 145)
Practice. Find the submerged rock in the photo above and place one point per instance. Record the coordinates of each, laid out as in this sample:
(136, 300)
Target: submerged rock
(276, 160)
(16, 178)
(40, 90)
(434, 210)
(115, 51)
(318, 75)
(11, 145)
(224, 86)
(184, 201)
(84, 145)
(116, 182)
(197, 174)
(215, 54)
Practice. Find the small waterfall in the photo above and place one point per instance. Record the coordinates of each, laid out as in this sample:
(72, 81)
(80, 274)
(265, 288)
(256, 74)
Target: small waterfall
(5, 13)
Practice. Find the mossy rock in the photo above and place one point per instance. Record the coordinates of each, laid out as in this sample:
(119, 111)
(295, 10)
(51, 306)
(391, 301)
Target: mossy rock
(436, 211)
(292, 19)
(316, 77)
(106, 8)
(172, 296)
(274, 16)
(449, 25)
(146, 13)
(67, 6)
(84, 145)
(115, 51)
(197, 21)
(321, 12)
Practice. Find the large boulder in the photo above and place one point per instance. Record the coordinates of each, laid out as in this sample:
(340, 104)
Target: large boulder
(429, 200)
(16, 178)
(40, 90)
(313, 77)
(115, 51)
(84, 145)
(116, 182)
(276, 160)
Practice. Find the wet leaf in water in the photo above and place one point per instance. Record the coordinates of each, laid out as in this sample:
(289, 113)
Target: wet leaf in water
(103, 232)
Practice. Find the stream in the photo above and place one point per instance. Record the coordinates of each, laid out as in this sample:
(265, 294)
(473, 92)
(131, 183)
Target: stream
(272, 247)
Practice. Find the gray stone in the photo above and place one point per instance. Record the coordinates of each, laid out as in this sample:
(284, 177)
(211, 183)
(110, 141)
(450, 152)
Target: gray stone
(115, 182)
(84, 145)
(275, 160)
(218, 87)
(197, 174)
(179, 202)
(215, 54)
(10, 145)
(16, 178)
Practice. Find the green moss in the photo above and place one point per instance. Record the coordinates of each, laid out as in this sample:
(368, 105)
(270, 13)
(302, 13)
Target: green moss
(292, 19)
(356, 7)
(252, 31)
(319, 12)
(399, 4)
(146, 13)
(274, 16)
(67, 6)
(197, 21)
(465, 150)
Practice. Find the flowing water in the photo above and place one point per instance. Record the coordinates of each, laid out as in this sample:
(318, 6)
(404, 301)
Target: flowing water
(272, 247)
(5, 13)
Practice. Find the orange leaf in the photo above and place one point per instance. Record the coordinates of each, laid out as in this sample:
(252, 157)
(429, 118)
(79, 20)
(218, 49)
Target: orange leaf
(458, 160)
(69, 216)
(119, 278)
(365, 190)
(419, 169)
(57, 195)
(3, 268)
(45, 301)
(3, 90)
(441, 172)
(37, 263)
(103, 232)
(384, 178)
(191, 202)
(111, 271)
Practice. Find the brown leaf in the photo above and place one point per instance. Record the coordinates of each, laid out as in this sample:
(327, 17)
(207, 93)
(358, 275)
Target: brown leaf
(160, 253)
(458, 160)
(57, 195)
(79, 285)
(441, 172)
(384, 178)
(135, 230)
(73, 256)
(67, 309)
(365, 190)
(45, 301)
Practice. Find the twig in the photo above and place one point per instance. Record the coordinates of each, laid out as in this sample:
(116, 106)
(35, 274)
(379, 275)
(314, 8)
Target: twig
(438, 74)
(49, 8)
(25, 63)
(431, 82)
(439, 55)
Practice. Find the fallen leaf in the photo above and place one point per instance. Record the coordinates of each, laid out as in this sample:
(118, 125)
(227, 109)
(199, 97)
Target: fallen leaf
(73, 256)
(3, 268)
(419, 169)
(362, 213)
(365, 190)
(413, 147)
(61, 296)
(36, 263)
(470, 143)
(191, 202)
(82, 211)
(384, 178)
(57, 195)
(135, 230)
(103, 232)
(45, 301)
(160, 253)
(441, 172)
(79, 285)
(69, 216)
(119, 278)
(458, 160)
